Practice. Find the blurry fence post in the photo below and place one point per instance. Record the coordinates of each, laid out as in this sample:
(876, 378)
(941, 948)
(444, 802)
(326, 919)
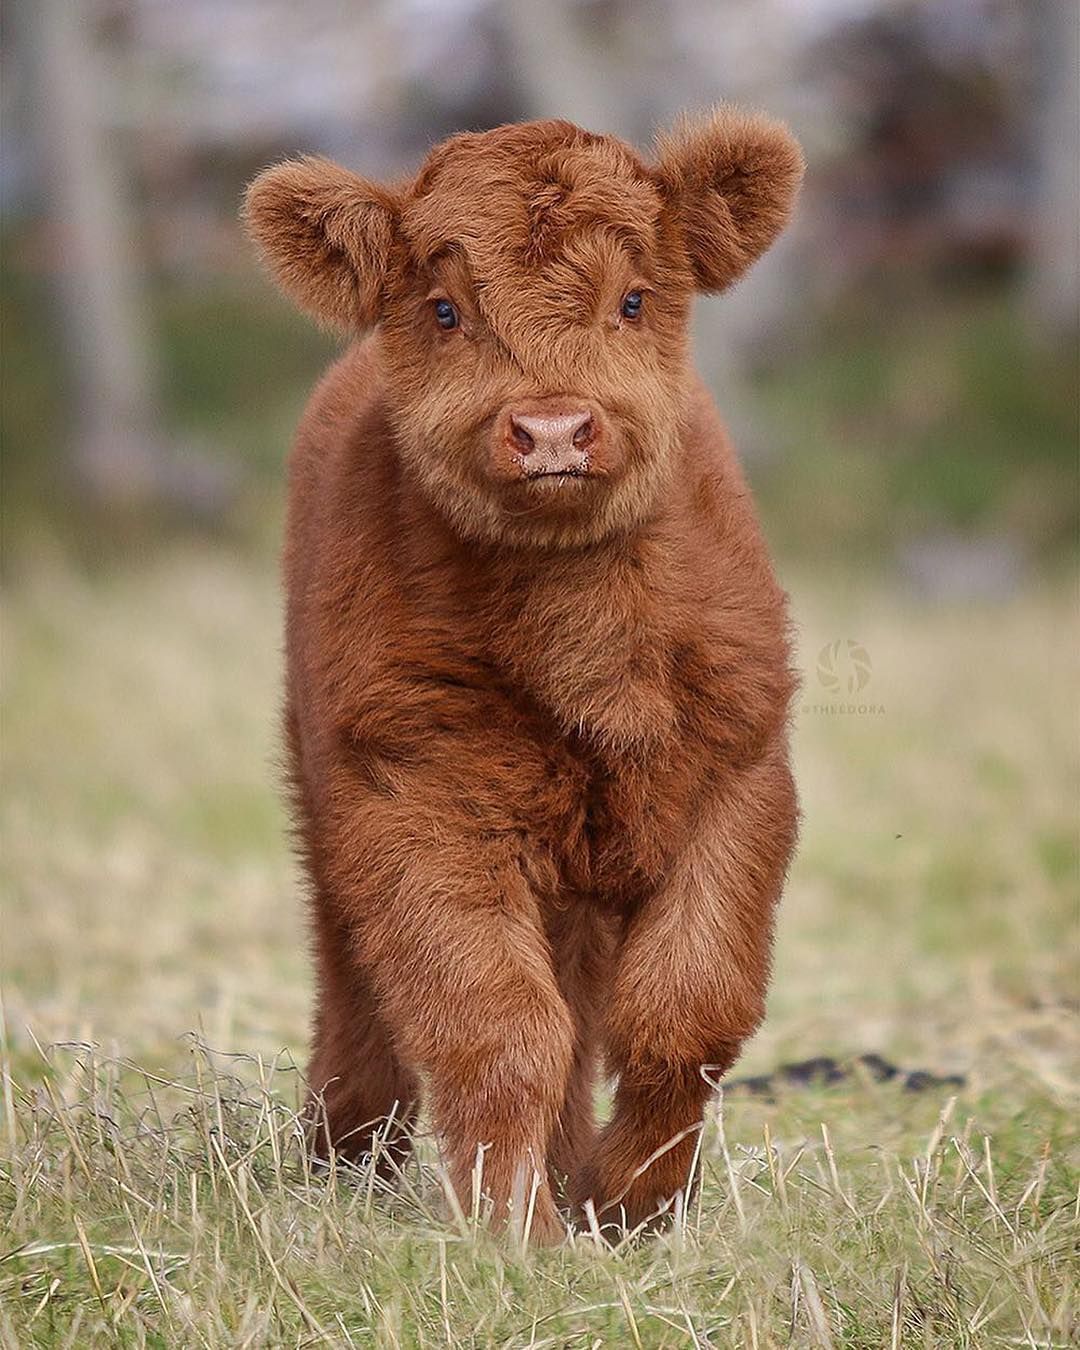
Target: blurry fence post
(115, 437)
(1053, 284)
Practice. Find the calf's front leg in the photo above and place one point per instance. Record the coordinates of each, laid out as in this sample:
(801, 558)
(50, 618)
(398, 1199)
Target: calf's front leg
(464, 978)
(689, 988)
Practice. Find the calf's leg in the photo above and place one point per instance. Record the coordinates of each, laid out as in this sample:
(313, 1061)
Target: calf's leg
(581, 938)
(689, 987)
(363, 1098)
(463, 973)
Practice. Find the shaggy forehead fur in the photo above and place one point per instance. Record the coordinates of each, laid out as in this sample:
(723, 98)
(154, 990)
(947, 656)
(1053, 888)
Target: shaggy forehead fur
(538, 211)
(544, 209)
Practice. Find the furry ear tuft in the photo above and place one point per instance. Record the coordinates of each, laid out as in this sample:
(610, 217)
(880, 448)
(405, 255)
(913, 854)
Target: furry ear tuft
(325, 234)
(731, 177)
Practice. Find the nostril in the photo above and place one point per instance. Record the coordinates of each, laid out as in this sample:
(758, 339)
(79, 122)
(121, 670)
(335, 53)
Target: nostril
(584, 434)
(520, 435)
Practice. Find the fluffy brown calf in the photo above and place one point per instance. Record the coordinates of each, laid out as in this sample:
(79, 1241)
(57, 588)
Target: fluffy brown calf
(538, 675)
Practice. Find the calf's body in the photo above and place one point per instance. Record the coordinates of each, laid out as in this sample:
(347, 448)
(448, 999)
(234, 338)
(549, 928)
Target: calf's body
(537, 664)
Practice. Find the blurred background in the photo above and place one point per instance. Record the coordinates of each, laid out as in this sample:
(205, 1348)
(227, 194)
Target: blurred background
(900, 374)
(904, 363)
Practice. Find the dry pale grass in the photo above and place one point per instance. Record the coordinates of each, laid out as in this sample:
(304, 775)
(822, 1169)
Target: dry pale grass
(152, 1187)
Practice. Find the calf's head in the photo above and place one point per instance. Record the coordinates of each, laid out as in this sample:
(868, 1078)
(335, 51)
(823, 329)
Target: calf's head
(531, 289)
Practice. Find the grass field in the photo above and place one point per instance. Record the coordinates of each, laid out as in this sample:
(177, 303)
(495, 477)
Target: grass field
(156, 992)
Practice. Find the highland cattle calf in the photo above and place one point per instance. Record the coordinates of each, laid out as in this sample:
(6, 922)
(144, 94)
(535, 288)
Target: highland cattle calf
(538, 673)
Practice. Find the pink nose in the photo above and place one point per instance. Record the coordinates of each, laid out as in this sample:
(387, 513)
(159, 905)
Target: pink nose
(553, 443)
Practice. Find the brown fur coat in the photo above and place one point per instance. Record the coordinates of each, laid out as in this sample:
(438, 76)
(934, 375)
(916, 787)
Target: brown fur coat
(538, 668)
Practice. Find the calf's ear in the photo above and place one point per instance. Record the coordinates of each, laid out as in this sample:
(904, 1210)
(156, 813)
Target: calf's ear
(325, 234)
(731, 179)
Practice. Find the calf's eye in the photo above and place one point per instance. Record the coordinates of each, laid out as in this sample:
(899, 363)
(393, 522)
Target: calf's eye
(446, 316)
(631, 305)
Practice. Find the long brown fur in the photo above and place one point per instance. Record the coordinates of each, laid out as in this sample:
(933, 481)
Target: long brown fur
(537, 725)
